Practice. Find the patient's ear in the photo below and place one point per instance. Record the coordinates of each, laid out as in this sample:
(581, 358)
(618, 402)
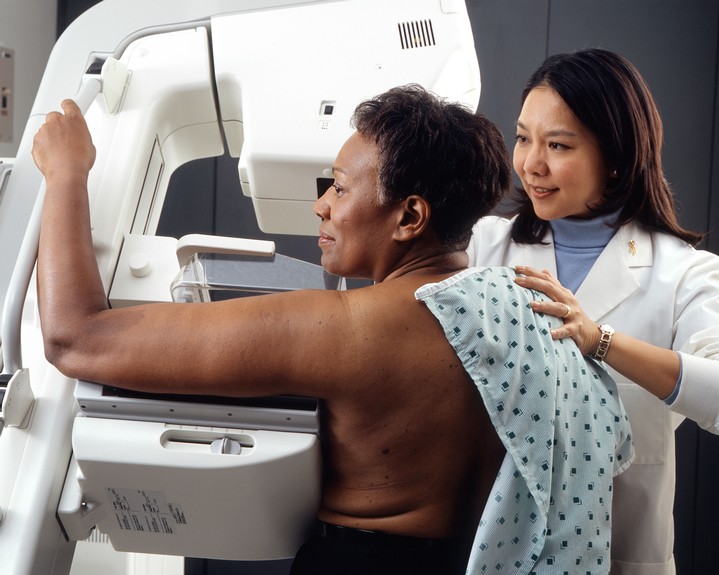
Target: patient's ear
(414, 218)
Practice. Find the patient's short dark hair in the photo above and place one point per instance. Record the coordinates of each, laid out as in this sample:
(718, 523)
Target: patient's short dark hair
(454, 158)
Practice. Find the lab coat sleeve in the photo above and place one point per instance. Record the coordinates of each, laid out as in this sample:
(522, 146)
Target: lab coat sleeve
(698, 397)
(697, 339)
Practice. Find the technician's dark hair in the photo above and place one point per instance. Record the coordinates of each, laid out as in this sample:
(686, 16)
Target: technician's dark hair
(611, 99)
(442, 151)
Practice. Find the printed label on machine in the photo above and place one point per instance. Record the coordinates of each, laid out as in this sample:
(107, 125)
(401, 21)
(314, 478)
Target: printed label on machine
(145, 511)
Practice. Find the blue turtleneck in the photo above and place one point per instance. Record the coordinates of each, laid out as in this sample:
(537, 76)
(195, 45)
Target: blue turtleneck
(577, 245)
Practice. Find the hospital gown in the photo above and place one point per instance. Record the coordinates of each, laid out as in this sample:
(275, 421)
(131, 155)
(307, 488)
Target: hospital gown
(559, 417)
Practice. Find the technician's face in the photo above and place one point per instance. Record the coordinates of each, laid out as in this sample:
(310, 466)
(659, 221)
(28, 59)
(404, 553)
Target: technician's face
(354, 229)
(557, 159)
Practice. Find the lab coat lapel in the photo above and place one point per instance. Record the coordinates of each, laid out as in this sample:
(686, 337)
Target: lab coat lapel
(610, 281)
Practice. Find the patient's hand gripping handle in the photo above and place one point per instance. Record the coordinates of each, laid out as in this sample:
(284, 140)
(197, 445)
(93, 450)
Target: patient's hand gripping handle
(22, 272)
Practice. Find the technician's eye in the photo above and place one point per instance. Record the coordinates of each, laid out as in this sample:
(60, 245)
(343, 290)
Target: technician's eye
(338, 189)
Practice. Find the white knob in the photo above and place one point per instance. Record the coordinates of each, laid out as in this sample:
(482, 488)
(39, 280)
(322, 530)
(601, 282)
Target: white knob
(226, 445)
(139, 265)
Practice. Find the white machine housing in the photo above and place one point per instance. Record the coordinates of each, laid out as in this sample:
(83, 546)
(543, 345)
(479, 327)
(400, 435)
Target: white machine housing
(274, 83)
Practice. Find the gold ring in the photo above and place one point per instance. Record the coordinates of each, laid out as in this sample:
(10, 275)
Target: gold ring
(566, 313)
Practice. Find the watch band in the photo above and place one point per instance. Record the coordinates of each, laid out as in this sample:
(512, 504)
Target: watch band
(605, 339)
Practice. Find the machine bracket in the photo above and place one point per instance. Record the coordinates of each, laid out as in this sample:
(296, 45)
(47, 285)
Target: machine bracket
(17, 399)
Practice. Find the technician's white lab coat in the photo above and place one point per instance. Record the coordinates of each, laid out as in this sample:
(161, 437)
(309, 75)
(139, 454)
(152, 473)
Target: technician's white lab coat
(656, 288)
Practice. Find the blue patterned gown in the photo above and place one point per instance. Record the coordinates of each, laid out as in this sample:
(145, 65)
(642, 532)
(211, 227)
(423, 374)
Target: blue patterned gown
(561, 421)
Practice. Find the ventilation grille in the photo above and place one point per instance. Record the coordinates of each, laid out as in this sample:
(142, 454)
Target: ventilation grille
(97, 537)
(419, 34)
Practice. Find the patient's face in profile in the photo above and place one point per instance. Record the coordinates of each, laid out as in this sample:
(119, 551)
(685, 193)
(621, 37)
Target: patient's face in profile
(356, 229)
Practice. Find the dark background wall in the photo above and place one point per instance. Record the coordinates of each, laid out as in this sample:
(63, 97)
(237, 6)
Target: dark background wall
(674, 43)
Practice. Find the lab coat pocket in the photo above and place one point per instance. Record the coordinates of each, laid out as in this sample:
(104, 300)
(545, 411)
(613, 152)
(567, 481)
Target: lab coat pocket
(650, 422)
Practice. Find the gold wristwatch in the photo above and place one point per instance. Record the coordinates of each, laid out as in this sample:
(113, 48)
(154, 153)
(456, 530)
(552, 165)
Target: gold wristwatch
(607, 331)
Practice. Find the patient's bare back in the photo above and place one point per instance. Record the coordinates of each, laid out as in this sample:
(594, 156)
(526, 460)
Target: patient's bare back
(408, 444)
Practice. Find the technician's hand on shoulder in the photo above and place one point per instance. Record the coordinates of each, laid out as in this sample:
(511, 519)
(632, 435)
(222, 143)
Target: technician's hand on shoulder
(564, 305)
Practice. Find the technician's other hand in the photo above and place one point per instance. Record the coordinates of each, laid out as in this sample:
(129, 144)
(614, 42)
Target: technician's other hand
(62, 145)
(577, 324)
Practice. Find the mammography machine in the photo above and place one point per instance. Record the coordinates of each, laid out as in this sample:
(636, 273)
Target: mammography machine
(272, 83)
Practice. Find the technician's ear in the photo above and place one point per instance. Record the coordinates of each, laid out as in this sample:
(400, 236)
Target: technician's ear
(414, 218)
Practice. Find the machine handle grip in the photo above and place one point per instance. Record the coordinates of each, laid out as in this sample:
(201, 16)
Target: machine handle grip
(191, 244)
